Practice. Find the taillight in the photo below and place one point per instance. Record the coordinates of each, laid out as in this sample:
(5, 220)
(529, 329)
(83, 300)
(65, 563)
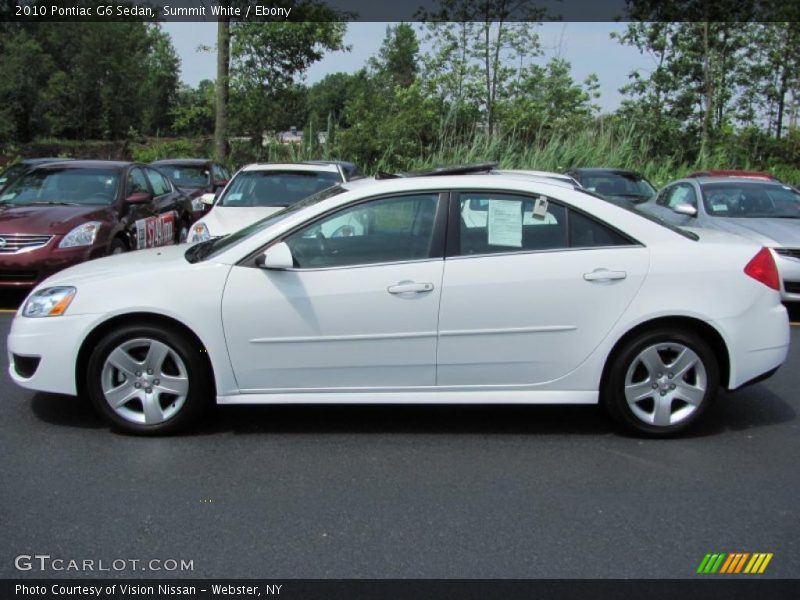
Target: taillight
(762, 268)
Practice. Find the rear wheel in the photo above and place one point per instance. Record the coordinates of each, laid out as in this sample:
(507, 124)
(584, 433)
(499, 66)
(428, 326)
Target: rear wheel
(148, 380)
(661, 382)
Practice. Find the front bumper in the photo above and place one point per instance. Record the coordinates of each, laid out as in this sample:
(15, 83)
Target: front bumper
(55, 342)
(27, 269)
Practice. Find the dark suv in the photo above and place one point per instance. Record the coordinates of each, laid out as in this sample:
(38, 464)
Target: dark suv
(62, 213)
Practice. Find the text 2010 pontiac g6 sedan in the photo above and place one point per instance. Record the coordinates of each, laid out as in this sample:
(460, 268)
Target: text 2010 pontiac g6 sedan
(382, 292)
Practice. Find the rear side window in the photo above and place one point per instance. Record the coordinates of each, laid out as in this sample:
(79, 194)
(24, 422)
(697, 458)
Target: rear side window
(491, 223)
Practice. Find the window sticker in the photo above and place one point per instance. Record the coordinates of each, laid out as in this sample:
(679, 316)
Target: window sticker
(717, 207)
(7, 197)
(234, 197)
(505, 223)
(540, 208)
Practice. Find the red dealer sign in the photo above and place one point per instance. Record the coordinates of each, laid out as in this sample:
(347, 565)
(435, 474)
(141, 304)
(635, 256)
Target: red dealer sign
(155, 231)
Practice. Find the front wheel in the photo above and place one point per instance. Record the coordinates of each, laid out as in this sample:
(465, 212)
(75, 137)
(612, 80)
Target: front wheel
(661, 382)
(148, 380)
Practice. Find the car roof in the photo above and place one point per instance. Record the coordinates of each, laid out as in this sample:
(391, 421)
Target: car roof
(604, 170)
(733, 173)
(702, 180)
(43, 160)
(434, 182)
(302, 167)
(88, 164)
(186, 162)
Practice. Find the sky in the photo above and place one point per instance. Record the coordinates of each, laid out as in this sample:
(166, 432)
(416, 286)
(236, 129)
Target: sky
(587, 46)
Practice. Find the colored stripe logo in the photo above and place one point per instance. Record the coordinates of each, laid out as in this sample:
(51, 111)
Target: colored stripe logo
(736, 562)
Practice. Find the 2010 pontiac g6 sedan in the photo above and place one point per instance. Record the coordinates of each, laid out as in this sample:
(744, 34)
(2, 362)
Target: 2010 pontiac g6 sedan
(382, 292)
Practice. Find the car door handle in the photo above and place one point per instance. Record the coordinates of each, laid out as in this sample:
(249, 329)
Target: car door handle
(604, 275)
(409, 287)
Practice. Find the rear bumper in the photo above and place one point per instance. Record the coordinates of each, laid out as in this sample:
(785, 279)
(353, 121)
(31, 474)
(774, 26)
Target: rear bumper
(757, 345)
(27, 269)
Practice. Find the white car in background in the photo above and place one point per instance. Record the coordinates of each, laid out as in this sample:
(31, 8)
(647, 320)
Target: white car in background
(558, 297)
(260, 190)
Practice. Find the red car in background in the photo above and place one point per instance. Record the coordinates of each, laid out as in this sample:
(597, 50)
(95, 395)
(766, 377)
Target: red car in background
(195, 177)
(63, 213)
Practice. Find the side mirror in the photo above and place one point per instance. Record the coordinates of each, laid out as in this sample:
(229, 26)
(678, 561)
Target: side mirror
(685, 209)
(277, 257)
(208, 199)
(221, 183)
(139, 198)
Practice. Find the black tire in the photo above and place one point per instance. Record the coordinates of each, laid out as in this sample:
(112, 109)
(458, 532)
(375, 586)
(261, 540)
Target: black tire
(613, 393)
(117, 246)
(200, 381)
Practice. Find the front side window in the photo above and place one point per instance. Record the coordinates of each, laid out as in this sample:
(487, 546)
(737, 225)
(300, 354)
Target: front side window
(137, 182)
(63, 186)
(387, 230)
(158, 182)
(275, 188)
(681, 194)
(492, 223)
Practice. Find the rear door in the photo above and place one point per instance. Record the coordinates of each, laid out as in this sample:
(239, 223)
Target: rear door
(530, 289)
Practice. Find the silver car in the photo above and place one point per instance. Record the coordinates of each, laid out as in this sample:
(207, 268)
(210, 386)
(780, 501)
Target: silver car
(767, 212)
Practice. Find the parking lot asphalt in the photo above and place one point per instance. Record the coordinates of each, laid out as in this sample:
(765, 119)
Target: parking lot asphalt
(340, 492)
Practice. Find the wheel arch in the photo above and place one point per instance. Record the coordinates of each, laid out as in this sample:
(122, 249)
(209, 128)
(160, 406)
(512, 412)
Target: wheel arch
(144, 318)
(705, 330)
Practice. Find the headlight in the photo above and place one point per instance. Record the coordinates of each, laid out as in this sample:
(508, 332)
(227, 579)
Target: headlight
(48, 302)
(198, 233)
(82, 235)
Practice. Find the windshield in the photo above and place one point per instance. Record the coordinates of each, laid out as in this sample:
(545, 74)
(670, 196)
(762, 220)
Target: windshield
(751, 199)
(618, 184)
(275, 188)
(88, 187)
(187, 176)
(12, 172)
(209, 248)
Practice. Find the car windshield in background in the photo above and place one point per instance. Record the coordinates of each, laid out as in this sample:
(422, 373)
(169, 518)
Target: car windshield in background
(206, 249)
(615, 184)
(186, 176)
(63, 186)
(275, 188)
(751, 200)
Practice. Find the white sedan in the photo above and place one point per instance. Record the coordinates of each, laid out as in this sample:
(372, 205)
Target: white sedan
(555, 297)
(260, 190)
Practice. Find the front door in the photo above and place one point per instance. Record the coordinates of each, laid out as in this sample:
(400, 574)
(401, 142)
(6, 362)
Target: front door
(358, 311)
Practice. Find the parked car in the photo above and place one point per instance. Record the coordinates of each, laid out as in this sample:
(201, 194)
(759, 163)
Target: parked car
(259, 190)
(63, 213)
(584, 302)
(734, 173)
(20, 167)
(195, 177)
(620, 186)
(767, 212)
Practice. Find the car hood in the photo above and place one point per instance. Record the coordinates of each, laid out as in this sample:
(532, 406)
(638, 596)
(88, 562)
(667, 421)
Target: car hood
(771, 232)
(52, 219)
(223, 220)
(120, 265)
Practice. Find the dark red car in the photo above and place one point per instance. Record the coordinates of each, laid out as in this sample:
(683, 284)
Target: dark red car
(734, 173)
(195, 176)
(63, 213)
